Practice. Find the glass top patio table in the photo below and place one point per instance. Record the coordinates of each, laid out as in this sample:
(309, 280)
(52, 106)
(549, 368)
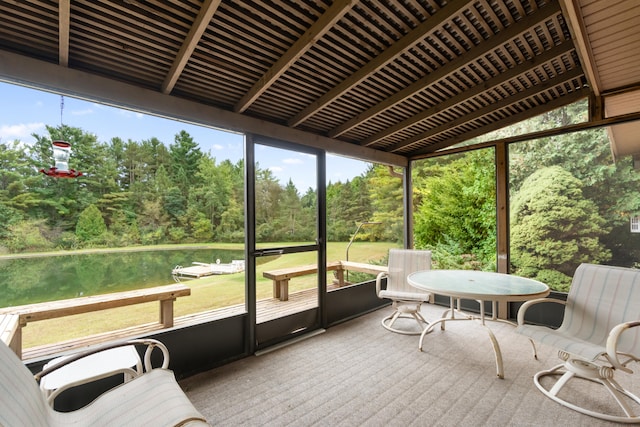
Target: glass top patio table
(480, 286)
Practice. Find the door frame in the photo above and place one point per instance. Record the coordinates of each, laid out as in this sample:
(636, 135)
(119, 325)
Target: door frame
(311, 319)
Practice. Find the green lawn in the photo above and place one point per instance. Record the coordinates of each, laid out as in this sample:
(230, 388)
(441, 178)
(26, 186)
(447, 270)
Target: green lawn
(206, 294)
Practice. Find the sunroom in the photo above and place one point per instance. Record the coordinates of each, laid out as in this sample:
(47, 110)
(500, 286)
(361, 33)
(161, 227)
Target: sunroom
(443, 98)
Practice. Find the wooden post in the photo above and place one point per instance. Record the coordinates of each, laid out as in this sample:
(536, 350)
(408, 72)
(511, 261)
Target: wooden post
(16, 341)
(502, 217)
(166, 312)
(283, 289)
(11, 332)
(340, 276)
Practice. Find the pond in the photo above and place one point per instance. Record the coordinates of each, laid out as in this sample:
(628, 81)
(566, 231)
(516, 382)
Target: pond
(30, 280)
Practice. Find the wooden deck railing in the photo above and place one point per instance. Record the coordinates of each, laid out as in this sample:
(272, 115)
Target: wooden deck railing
(13, 319)
(282, 276)
(9, 326)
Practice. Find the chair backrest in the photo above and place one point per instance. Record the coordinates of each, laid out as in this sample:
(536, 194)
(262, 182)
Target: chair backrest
(21, 402)
(402, 262)
(600, 298)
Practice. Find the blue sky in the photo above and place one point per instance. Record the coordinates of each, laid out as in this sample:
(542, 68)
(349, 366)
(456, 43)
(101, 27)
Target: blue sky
(25, 111)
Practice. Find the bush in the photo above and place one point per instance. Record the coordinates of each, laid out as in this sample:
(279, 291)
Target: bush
(28, 236)
(557, 281)
(553, 226)
(91, 226)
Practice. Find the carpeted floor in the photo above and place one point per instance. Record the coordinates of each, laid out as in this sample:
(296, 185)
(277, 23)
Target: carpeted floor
(357, 373)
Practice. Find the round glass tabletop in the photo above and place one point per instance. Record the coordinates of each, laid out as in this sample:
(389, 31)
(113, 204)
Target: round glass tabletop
(480, 285)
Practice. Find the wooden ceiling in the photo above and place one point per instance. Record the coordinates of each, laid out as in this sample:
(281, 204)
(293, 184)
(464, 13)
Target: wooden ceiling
(608, 33)
(387, 80)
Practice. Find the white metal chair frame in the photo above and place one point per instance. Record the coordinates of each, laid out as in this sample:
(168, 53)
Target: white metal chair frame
(153, 397)
(597, 338)
(120, 359)
(406, 300)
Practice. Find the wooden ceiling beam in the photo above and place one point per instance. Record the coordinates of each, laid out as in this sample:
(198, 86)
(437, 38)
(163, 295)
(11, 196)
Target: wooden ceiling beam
(489, 85)
(64, 21)
(471, 56)
(438, 149)
(573, 14)
(416, 35)
(332, 15)
(42, 75)
(520, 96)
(196, 31)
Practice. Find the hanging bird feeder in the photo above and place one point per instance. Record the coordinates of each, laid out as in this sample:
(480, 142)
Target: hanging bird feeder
(61, 154)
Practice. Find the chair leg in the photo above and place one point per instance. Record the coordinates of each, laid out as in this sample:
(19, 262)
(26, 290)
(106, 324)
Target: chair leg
(618, 394)
(391, 318)
(533, 347)
(405, 310)
(582, 370)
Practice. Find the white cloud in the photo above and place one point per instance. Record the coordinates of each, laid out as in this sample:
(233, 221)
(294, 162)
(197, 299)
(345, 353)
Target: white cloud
(20, 131)
(276, 169)
(217, 147)
(130, 114)
(82, 112)
(292, 161)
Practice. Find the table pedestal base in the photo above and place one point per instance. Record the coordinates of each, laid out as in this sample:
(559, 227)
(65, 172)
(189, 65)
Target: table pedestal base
(449, 315)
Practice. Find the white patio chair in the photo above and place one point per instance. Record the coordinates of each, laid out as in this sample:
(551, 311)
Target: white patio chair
(153, 398)
(406, 300)
(598, 338)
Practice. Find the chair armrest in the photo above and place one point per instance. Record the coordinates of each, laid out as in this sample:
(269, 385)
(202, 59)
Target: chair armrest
(526, 305)
(379, 278)
(151, 344)
(612, 344)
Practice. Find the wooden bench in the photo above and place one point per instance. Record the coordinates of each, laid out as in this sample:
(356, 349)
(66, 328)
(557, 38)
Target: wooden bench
(282, 276)
(13, 319)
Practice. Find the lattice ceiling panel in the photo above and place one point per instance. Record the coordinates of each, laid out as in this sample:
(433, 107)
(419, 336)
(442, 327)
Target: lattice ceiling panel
(406, 77)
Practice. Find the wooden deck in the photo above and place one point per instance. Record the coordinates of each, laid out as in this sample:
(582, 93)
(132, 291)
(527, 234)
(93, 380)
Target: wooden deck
(202, 269)
(282, 276)
(266, 309)
(272, 308)
(165, 295)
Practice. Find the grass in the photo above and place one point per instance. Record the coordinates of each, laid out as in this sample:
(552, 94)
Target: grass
(207, 293)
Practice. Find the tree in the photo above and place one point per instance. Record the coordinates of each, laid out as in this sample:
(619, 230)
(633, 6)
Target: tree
(291, 210)
(267, 205)
(457, 210)
(386, 197)
(175, 205)
(612, 186)
(15, 177)
(116, 207)
(91, 226)
(62, 200)
(231, 227)
(554, 228)
(185, 160)
(350, 203)
(339, 225)
(212, 197)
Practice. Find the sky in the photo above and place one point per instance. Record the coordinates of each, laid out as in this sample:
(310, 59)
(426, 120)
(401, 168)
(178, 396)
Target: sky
(25, 111)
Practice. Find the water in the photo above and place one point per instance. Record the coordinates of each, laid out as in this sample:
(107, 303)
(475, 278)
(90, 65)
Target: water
(31, 280)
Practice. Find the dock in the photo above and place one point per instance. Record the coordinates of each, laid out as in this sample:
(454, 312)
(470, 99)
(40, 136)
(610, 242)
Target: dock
(201, 269)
